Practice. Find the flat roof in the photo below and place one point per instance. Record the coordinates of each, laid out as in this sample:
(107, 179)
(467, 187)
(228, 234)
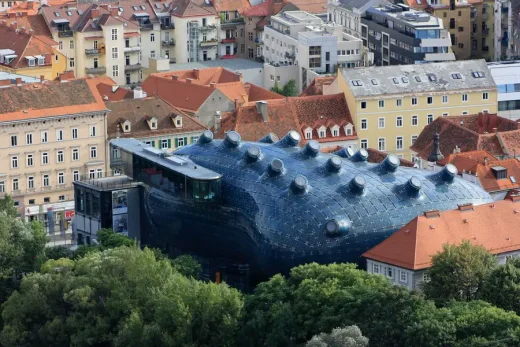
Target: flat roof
(411, 17)
(13, 76)
(176, 163)
(228, 64)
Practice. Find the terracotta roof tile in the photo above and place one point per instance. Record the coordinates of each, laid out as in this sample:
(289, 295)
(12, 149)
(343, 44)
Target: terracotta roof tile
(260, 10)
(37, 100)
(467, 161)
(25, 45)
(30, 22)
(488, 225)
(256, 93)
(107, 92)
(376, 156)
(316, 86)
(510, 142)
(311, 6)
(231, 5)
(490, 183)
(191, 8)
(137, 110)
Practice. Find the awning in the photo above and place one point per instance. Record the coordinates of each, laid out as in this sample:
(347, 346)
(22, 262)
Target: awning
(60, 21)
(132, 34)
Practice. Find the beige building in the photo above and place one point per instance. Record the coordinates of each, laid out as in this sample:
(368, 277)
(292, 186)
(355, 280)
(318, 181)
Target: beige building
(53, 133)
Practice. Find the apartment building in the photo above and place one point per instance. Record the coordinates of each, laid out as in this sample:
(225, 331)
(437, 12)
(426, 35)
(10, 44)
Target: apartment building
(22, 52)
(299, 44)
(470, 24)
(232, 27)
(397, 34)
(54, 132)
(391, 105)
(348, 13)
(110, 40)
(506, 75)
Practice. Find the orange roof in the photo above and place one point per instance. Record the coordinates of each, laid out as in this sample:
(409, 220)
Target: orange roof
(467, 161)
(40, 100)
(490, 183)
(231, 5)
(317, 84)
(35, 23)
(24, 44)
(311, 6)
(110, 91)
(490, 225)
(260, 10)
(132, 34)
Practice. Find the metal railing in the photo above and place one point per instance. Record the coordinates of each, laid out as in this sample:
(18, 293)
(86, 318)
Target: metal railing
(132, 49)
(68, 33)
(132, 67)
(94, 51)
(170, 42)
(96, 70)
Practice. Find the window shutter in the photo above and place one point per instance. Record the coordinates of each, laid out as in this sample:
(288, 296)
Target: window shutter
(192, 139)
(185, 141)
(169, 143)
(176, 143)
(153, 143)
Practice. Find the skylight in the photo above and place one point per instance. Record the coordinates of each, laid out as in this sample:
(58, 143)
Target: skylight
(135, 8)
(513, 179)
(396, 80)
(357, 83)
(69, 13)
(456, 76)
(418, 79)
(143, 7)
(157, 6)
(374, 81)
(121, 9)
(56, 14)
(432, 77)
(405, 79)
(477, 74)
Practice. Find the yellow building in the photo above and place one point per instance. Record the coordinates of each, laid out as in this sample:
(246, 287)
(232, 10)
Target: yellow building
(24, 53)
(390, 105)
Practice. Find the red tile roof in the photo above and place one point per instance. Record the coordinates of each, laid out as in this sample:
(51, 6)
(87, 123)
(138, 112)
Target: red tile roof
(260, 10)
(295, 113)
(35, 23)
(376, 156)
(467, 161)
(191, 8)
(24, 45)
(316, 86)
(490, 183)
(110, 91)
(491, 226)
(311, 6)
(470, 136)
(231, 5)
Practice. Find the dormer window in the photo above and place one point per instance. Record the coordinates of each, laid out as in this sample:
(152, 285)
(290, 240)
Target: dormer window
(127, 126)
(41, 59)
(153, 125)
(152, 122)
(308, 133)
(334, 131)
(177, 121)
(349, 129)
(30, 60)
(322, 131)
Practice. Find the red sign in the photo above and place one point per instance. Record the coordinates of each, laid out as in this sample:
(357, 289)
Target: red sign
(69, 214)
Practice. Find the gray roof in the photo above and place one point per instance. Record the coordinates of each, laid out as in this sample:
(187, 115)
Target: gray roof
(229, 64)
(361, 5)
(419, 78)
(181, 165)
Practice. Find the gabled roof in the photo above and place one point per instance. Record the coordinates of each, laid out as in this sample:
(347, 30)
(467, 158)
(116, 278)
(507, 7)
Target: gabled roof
(376, 156)
(488, 180)
(493, 226)
(105, 89)
(191, 8)
(25, 45)
(31, 22)
(39, 100)
(136, 111)
(203, 76)
(260, 10)
(311, 6)
(231, 5)
(468, 161)
(317, 85)
(474, 134)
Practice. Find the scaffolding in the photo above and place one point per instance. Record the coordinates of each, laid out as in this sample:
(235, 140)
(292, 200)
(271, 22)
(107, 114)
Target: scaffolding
(194, 41)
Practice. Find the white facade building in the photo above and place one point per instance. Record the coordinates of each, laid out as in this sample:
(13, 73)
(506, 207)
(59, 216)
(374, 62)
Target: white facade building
(507, 78)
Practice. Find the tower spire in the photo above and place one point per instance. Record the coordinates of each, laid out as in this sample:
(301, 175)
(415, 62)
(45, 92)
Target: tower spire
(436, 154)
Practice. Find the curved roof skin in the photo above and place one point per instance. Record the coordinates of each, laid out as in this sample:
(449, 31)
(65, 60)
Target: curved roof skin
(289, 205)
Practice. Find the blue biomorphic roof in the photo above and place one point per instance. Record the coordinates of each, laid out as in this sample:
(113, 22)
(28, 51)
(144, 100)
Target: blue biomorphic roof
(303, 205)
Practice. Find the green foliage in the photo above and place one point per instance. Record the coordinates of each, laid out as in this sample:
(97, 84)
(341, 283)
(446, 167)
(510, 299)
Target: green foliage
(187, 266)
(7, 206)
(458, 273)
(502, 286)
(57, 252)
(340, 337)
(83, 250)
(290, 89)
(119, 297)
(276, 88)
(110, 239)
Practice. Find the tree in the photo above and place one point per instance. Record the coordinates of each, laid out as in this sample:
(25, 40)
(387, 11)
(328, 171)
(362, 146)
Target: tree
(458, 273)
(340, 337)
(276, 88)
(289, 89)
(187, 266)
(119, 297)
(110, 239)
(502, 286)
(57, 252)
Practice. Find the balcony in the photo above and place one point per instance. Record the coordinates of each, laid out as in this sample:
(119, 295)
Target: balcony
(206, 28)
(290, 55)
(485, 16)
(167, 26)
(148, 26)
(96, 70)
(173, 60)
(231, 22)
(67, 33)
(485, 49)
(229, 40)
(170, 42)
(132, 49)
(92, 52)
(259, 41)
(133, 67)
(485, 31)
(208, 43)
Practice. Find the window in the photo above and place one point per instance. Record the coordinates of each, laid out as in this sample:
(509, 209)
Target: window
(250, 36)
(444, 99)
(14, 141)
(59, 135)
(2, 186)
(314, 62)
(429, 100)
(403, 276)
(363, 105)
(74, 132)
(164, 144)
(426, 277)
(92, 173)
(45, 158)
(71, 62)
(99, 173)
(381, 103)
(429, 118)
(375, 268)
(61, 178)
(399, 121)
(75, 175)
(445, 114)
(335, 133)
(464, 97)
(389, 272)
(381, 123)
(180, 142)
(30, 182)
(415, 120)
(60, 157)
(45, 181)
(114, 34)
(321, 134)
(315, 50)
(152, 37)
(414, 101)
(30, 159)
(46, 199)
(381, 144)
(485, 96)
(61, 198)
(71, 44)
(14, 162)
(75, 154)
(364, 143)
(399, 102)
(92, 131)
(44, 137)
(364, 124)
(15, 184)
(115, 53)
(414, 138)
(93, 152)
(60, 45)
(399, 143)
(115, 71)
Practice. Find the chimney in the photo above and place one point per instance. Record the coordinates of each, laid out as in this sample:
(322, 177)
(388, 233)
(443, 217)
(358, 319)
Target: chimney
(196, 73)
(114, 11)
(261, 107)
(18, 81)
(236, 103)
(175, 78)
(139, 93)
(42, 78)
(94, 13)
(466, 207)
(213, 85)
(23, 30)
(188, 80)
(485, 112)
(218, 118)
(239, 74)
(436, 154)
(14, 25)
(486, 161)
